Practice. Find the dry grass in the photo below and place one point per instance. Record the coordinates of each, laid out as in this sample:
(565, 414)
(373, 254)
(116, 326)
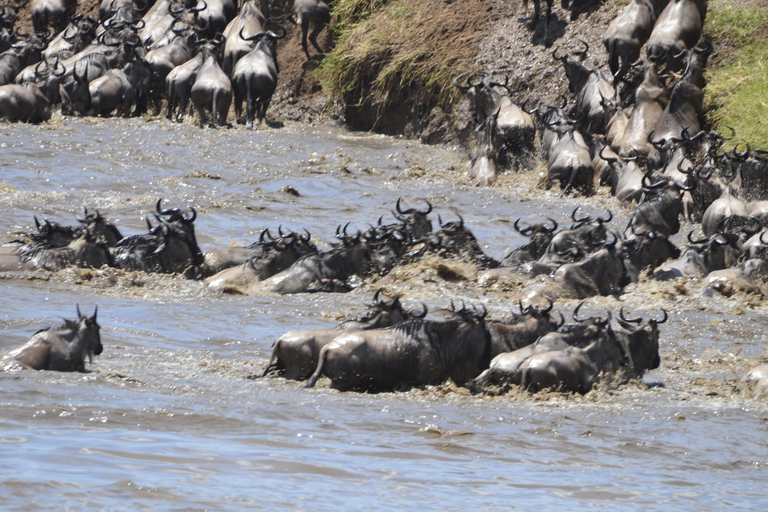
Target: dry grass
(384, 48)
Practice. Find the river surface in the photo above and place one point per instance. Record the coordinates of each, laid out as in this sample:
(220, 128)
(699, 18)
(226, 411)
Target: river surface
(169, 417)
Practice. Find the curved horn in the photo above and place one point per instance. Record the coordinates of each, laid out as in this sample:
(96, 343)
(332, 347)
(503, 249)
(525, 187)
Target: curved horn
(664, 319)
(524, 231)
(554, 56)
(629, 320)
(699, 241)
(199, 9)
(274, 36)
(561, 322)
(79, 314)
(575, 314)
(581, 220)
(548, 308)
(607, 220)
(554, 225)
(582, 53)
(459, 86)
(607, 159)
(422, 314)
(255, 36)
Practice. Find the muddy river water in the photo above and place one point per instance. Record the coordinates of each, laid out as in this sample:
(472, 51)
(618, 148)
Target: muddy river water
(168, 418)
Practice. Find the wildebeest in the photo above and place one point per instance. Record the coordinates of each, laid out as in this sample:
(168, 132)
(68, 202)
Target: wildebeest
(327, 270)
(521, 330)
(86, 251)
(677, 29)
(315, 12)
(727, 212)
(295, 353)
(744, 278)
(627, 34)
(716, 252)
(24, 103)
(757, 380)
(651, 98)
(505, 368)
(261, 260)
(540, 235)
(62, 348)
(254, 77)
(483, 169)
(212, 92)
(412, 353)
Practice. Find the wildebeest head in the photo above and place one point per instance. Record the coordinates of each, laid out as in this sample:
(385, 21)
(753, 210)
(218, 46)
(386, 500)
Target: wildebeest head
(457, 240)
(52, 233)
(540, 235)
(415, 222)
(382, 312)
(88, 329)
(642, 343)
(99, 227)
(646, 249)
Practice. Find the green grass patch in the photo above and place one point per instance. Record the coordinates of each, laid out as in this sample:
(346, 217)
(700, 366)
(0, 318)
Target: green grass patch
(737, 77)
(386, 50)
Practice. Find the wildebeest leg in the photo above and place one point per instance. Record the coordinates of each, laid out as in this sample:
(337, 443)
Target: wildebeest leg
(272, 358)
(201, 113)
(313, 36)
(238, 104)
(319, 370)
(304, 29)
(536, 10)
(249, 106)
(546, 23)
(171, 101)
(263, 110)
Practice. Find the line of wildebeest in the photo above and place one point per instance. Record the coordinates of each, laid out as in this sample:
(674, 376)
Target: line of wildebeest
(389, 347)
(134, 57)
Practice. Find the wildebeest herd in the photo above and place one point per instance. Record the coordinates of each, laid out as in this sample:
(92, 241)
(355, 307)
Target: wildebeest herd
(640, 133)
(187, 53)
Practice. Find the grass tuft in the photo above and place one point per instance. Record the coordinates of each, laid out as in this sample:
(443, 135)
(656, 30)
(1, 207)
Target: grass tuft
(737, 84)
(385, 48)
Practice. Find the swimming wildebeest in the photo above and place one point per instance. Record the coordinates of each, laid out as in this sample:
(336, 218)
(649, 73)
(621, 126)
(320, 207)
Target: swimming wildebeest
(62, 348)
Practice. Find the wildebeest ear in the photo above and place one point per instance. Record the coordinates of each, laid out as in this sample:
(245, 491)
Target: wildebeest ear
(79, 315)
(95, 312)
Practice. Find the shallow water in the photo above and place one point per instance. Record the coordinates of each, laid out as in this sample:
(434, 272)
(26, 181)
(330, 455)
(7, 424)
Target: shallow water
(168, 419)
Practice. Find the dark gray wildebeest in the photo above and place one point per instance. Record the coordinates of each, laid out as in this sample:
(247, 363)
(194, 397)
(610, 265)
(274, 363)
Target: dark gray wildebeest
(677, 29)
(86, 251)
(455, 240)
(540, 235)
(295, 353)
(62, 348)
(24, 103)
(181, 78)
(73, 39)
(505, 369)
(414, 222)
(515, 130)
(99, 227)
(685, 111)
(254, 78)
(212, 92)
(707, 254)
(567, 245)
(627, 34)
(660, 209)
(640, 344)
(412, 353)
(327, 270)
(266, 258)
(22, 54)
(121, 89)
(51, 13)
(646, 249)
(626, 177)
(590, 88)
(318, 14)
(523, 329)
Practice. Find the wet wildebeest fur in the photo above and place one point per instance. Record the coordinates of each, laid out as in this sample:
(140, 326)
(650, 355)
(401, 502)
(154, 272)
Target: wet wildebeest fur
(62, 348)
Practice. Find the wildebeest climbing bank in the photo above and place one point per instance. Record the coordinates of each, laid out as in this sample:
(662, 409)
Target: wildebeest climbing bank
(226, 285)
